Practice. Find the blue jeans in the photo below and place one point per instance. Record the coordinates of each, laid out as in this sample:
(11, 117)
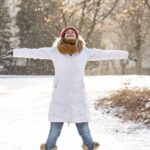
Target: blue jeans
(55, 130)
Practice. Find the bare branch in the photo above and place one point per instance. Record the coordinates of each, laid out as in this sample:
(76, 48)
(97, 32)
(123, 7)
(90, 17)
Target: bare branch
(147, 3)
(63, 14)
(94, 20)
(82, 16)
(64, 18)
(109, 12)
(73, 13)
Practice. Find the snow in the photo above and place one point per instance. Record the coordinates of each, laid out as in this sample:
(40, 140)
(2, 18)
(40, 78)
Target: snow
(24, 103)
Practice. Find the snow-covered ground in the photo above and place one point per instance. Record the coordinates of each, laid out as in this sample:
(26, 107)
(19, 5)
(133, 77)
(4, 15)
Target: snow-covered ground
(24, 103)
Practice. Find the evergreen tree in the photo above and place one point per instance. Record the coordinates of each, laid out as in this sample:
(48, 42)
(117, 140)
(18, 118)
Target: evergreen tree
(4, 29)
(34, 34)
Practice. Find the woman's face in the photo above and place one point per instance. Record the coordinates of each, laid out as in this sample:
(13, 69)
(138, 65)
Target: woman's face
(70, 34)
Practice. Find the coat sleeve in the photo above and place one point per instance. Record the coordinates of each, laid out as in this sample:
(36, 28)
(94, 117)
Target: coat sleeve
(39, 53)
(99, 54)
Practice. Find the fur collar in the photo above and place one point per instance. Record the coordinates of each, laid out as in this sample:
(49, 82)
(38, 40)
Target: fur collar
(69, 46)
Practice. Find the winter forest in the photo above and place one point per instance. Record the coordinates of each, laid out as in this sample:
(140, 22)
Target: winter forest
(105, 24)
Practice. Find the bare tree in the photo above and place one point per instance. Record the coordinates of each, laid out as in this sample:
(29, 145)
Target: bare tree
(133, 20)
(85, 15)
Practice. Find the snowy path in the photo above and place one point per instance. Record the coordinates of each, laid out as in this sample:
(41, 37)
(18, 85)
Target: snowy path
(24, 102)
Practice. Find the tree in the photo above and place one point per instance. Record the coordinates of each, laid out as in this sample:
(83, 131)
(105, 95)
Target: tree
(41, 21)
(4, 29)
(34, 34)
(134, 22)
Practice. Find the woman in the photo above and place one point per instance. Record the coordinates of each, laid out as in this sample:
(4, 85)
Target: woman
(69, 101)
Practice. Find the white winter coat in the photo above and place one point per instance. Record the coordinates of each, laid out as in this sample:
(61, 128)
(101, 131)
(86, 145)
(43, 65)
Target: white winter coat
(69, 101)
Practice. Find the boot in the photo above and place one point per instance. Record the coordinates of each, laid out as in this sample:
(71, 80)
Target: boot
(95, 146)
(43, 147)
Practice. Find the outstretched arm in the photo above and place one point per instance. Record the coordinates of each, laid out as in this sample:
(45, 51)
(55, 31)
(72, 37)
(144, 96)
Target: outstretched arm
(99, 54)
(39, 53)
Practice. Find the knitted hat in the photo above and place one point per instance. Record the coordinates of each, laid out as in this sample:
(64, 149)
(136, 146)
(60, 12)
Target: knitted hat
(62, 33)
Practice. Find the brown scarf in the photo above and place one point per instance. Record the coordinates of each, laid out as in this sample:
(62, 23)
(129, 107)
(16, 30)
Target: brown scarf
(70, 46)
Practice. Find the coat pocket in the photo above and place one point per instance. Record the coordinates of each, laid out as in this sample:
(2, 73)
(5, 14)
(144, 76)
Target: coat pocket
(55, 84)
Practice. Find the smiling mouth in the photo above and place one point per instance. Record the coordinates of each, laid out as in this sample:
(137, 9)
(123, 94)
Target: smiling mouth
(71, 35)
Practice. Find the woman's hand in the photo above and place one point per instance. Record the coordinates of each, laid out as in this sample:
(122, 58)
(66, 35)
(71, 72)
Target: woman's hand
(132, 58)
(10, 53)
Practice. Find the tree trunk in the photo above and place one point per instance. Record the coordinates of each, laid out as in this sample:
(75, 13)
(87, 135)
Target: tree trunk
(138, 40)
